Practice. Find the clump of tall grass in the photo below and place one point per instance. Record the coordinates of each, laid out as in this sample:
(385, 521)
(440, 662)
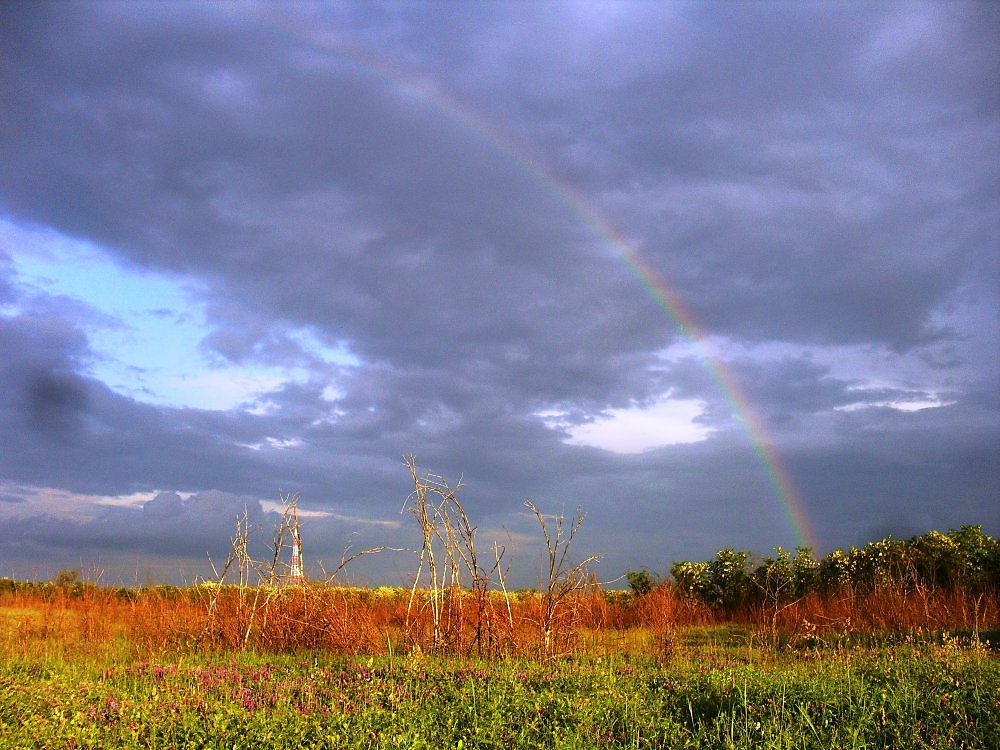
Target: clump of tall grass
(892, 608)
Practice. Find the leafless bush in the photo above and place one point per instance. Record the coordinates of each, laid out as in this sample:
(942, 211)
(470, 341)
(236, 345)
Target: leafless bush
(448, 557)
(560, 577)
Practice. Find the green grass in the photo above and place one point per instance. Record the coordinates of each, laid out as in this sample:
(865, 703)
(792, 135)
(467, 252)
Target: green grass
(719, 691)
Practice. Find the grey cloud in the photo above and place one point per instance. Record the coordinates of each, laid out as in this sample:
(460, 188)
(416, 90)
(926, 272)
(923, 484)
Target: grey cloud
(478, 257)
(58, 403)
(793, 198)
(447, 248)
(195, 533)
(164, 505)
(202, 524)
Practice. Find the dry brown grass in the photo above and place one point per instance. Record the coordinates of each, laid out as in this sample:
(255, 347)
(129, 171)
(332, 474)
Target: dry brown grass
(370, 621)
(892, 609)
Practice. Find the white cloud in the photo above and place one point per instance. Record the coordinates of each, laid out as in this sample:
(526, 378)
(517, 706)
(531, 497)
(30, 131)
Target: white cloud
(637, 428)
(271, 506)
(219, 389)
(275, 443)
(916, 404)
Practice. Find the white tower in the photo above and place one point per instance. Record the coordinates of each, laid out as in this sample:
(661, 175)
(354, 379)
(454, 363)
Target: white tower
(296, 572)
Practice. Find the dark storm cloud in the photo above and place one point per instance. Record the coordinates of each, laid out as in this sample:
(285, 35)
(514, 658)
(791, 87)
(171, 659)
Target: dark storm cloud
(822, 173)
(806, 175)
(343, 202)
(58, 403)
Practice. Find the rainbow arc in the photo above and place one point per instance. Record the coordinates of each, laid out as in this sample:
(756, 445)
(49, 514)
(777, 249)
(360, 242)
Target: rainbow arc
(652, 281)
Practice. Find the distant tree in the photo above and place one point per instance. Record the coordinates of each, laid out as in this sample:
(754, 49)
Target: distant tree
(691, 578)
(977, 556)
(729, 578)
(834, 570)
(66, 577)
(805, 570)
(935, 559)
(775, 578)
(881, 563)
(964, 558)
(641, 581)
(776, 589)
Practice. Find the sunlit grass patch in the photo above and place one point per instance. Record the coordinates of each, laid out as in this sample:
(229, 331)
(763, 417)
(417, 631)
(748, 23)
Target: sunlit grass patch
(901, 696)
(15, 615)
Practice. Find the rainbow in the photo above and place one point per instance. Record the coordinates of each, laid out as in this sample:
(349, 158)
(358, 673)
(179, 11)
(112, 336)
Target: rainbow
(325, 41)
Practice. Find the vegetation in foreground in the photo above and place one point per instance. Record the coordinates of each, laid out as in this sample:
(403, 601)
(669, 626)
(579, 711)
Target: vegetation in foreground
(88, 667)
(719, 689)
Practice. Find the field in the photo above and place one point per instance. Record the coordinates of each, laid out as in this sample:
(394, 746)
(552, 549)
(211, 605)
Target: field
(82, 666)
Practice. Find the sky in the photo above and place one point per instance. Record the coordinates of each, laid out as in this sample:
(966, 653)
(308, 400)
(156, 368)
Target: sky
(717, 274)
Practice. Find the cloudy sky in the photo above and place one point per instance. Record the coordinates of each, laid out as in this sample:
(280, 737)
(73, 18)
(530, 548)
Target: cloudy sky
(720, 274)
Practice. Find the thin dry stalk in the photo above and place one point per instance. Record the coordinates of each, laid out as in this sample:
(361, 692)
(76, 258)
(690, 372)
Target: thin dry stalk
(561, 578)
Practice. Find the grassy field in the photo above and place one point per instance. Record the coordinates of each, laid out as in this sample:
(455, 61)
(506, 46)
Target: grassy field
(75, 676)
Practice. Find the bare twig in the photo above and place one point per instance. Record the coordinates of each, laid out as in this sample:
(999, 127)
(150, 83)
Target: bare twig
(561, 578)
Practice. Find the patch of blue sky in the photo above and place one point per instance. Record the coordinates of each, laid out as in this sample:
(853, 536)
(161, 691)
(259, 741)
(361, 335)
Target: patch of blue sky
(144, 329)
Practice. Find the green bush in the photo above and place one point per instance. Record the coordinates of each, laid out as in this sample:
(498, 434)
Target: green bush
(964, 558)
(640, 581)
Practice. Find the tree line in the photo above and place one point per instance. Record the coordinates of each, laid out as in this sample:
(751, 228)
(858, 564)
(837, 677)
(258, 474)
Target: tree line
(964, 558)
